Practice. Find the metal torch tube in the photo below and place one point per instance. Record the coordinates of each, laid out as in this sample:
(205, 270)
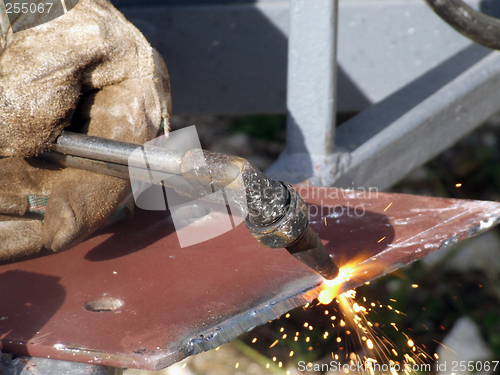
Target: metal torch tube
(277, 216)
(108, 150)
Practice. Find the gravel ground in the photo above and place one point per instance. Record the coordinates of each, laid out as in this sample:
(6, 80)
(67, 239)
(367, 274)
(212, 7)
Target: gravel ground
(233, 135)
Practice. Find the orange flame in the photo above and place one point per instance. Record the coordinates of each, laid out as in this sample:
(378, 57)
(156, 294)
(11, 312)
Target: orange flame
(332, 288)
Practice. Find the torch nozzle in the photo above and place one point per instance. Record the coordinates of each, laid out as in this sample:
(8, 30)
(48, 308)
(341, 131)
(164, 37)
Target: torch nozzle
(310, 251)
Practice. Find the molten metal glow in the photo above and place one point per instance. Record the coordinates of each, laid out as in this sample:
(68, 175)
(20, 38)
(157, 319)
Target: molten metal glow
(349, 317)
(332, 288)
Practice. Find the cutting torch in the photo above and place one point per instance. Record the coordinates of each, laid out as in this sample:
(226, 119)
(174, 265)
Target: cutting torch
(274, 212)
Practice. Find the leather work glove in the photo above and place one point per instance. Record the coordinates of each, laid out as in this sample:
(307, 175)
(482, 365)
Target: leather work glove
(90, 70)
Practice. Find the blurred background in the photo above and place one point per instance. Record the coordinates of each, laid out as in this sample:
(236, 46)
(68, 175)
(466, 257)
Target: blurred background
(447, 304)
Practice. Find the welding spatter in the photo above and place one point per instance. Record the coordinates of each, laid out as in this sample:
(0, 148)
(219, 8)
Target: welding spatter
(275, 213)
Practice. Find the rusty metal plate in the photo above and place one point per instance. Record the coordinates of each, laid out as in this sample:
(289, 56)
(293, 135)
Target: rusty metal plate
(166, 303)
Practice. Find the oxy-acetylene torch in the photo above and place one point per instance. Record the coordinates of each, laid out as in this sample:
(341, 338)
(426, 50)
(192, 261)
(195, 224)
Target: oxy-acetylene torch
(275, 213)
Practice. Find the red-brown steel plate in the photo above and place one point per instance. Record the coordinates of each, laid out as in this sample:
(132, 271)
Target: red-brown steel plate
(177, 302)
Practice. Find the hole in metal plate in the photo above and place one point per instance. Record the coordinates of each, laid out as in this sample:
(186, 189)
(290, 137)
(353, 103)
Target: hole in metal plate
(192, 212)
(103, 304)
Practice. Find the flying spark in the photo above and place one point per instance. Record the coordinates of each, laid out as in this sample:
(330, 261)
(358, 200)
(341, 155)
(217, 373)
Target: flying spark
(369, 343)
(354, 334)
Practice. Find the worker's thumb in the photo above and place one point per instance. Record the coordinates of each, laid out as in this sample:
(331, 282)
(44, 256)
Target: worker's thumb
(19, 237)
(80, 203)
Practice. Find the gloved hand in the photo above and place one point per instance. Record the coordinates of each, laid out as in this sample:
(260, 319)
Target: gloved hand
(90, 70)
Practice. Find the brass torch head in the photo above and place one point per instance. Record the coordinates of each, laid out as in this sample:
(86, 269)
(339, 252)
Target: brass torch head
(293, 232)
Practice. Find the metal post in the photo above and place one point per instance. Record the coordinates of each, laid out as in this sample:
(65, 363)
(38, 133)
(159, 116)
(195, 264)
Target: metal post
(311, 92)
